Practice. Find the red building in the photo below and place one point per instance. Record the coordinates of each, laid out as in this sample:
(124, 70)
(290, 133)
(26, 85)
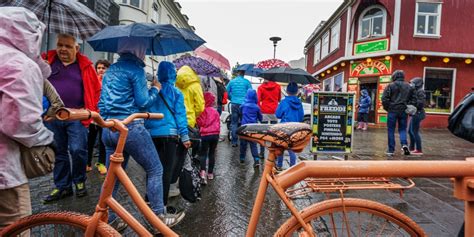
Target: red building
(364, 41)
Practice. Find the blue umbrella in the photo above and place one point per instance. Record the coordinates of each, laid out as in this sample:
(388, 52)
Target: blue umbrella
(286, 74)
(160, 40)
(250, 69)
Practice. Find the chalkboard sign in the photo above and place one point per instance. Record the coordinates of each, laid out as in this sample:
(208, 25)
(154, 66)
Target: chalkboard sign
(332, 122)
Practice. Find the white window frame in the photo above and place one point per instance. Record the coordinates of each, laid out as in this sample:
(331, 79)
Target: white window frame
(335, 36)
(155, 15)
(128, 2)
(427, 16)
(317, 52)
(325, 45)
(454, 70)
(384, 23)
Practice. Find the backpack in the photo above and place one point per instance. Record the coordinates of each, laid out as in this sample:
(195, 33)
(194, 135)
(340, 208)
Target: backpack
(189, 180)
(461, 121)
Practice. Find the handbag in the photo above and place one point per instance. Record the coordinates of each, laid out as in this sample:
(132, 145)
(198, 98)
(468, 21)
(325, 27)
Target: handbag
(461, 121)
(37, 161)
(410, 110)
(189, 180)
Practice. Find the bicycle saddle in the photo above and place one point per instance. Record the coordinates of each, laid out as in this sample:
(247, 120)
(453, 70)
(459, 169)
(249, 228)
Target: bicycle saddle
(289, 136)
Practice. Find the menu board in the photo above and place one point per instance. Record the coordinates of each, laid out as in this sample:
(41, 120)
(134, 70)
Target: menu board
(332, 122)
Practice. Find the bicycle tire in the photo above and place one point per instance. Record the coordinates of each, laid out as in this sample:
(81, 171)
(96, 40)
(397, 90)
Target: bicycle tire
(332, 206)
(73, 219)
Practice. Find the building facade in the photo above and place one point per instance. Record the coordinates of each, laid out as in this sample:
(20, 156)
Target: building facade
(364, 41)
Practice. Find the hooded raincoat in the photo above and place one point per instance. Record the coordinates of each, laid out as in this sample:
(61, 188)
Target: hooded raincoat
(22, 73)
(189, 84)
(237, 89)
(175, 121)
(209, 120)
(249, 109)
(397, 95)
(290, 110)
(269, 95)
(419, 94)
(364, 102)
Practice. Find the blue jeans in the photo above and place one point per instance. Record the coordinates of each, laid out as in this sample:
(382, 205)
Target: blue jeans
(234, 122)
(140, 146)
(292, 159)
(70, 138)
(393, 118)
(253, 149)
(414, 131)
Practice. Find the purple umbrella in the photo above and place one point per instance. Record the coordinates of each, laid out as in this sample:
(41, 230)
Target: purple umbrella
(199, 65)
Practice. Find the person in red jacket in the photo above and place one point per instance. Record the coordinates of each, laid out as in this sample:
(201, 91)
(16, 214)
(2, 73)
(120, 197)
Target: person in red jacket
(269, 95)
(75, 79)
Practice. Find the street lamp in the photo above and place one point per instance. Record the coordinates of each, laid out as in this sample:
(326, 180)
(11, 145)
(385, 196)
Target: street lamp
(275, 40)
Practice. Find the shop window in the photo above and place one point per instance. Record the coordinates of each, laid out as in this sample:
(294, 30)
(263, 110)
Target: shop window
(372, 23)
(325, 46)
(317, 52)
(335, 35)
(439, 90)
(334, 84)
(428, 18)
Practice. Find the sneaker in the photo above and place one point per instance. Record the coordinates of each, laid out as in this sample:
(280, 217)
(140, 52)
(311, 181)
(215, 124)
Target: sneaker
(210, 176)
(101, 168)
(261, 155)
(256, 164)
(174, 190)
(118, 224)
(172, 210)
(58, 194)
(88, 168)
(405, 150)
(242, 161)
(234, 145)
(389, 153)
(81, 190)
(203, 177)
(416, 153)
(172, 219)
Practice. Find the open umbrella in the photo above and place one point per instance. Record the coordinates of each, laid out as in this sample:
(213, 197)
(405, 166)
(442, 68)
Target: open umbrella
(284, 74)
(199, 65)
(160, 40)
(249, 69)
(271, 63)
(62, 16)
(213, 57)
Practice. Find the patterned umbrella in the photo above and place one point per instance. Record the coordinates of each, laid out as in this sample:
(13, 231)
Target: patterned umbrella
(62, 16)
(199, 65)
(213, 57)
(271, 63)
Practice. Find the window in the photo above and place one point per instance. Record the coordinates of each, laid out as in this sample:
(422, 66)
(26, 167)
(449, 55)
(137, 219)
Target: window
(428, 18)
(335, 36)
(317, 52)
(439, 89)
(372, 23)
(327, 84)
(155, 17)
(135, 3)
(325, 46)
(335, 83)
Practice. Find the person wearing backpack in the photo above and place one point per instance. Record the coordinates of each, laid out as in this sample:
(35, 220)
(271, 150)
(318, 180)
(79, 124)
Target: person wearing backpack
(395, 98)
(290, 109)
(364, 106)
(415, 121)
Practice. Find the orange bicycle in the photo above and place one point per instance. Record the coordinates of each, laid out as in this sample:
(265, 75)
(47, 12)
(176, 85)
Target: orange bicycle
(334, 217)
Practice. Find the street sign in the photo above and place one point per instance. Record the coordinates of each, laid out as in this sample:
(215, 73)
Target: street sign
(332, 120)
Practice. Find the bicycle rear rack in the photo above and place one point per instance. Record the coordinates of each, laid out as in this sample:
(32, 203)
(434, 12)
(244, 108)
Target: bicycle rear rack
(329, 185)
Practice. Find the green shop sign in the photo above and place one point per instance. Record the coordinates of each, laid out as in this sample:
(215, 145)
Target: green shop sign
(371, 47)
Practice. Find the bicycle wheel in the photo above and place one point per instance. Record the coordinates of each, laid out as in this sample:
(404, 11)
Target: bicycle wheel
(362, 218)
(56, 224)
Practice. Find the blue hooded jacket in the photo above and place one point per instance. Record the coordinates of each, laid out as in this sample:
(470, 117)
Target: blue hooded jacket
(237, 89)
(364, 102)
(249, 109)
(173, 123)
(290, 109)
(124, 89)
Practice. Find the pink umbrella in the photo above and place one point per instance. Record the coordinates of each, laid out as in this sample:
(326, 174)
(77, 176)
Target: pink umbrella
(213, 57)
(271, 63)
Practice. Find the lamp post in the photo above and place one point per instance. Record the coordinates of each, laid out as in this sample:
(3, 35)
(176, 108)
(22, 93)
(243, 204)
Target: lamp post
(275, 40)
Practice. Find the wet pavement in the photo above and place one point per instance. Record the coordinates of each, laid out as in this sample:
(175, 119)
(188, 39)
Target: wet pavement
(227, 200)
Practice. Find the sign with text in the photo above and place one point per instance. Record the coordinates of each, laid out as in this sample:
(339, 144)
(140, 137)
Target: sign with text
(371, 46)
(374, 67)
(332, 122)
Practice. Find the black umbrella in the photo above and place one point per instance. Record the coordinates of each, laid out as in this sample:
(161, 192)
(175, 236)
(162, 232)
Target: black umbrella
(285, 74)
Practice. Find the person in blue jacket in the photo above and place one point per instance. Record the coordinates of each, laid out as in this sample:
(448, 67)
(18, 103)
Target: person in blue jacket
(125, 92)
(290, 109)
(173, 128)
(250, 114)
(236, 90)
(364, 106)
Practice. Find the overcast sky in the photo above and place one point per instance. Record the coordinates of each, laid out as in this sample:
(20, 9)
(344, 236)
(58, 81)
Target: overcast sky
(240, 29)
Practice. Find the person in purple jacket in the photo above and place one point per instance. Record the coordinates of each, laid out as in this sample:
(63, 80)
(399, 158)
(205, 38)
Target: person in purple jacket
(250, 114)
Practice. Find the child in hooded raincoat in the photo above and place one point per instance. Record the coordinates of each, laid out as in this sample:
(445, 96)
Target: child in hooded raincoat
(290, 109)
(209, 126)
(364, 106)
(250, 114)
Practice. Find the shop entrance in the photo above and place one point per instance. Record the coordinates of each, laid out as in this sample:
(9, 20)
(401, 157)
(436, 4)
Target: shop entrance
(370, 84)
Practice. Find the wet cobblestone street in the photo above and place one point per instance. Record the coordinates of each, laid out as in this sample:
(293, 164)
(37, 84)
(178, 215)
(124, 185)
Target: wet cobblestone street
(227, 200)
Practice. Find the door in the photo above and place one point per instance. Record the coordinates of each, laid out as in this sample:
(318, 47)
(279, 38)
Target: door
(370, 84)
